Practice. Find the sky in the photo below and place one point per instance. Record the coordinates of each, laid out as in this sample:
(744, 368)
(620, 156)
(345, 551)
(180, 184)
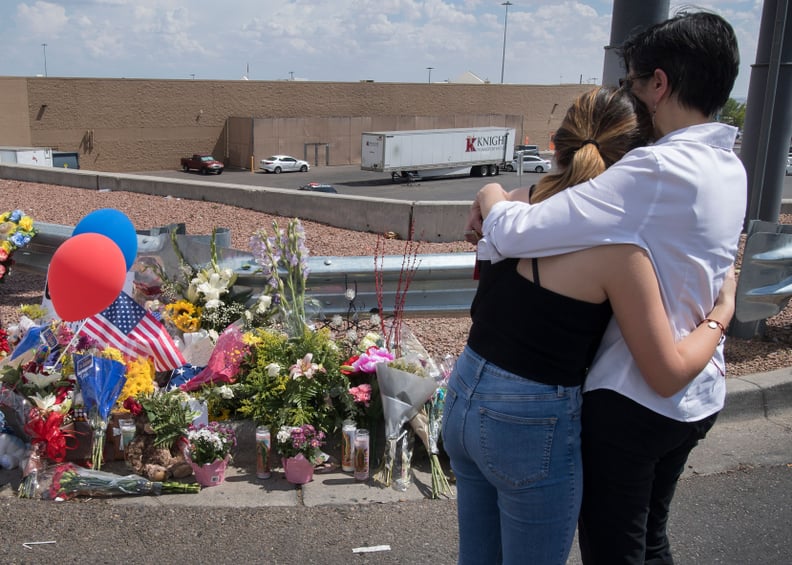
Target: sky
(546, 41)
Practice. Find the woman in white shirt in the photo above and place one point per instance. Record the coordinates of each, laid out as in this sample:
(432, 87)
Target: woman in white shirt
(682, 200)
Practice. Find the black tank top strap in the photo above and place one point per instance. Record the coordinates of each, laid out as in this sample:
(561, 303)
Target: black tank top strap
(535, 267)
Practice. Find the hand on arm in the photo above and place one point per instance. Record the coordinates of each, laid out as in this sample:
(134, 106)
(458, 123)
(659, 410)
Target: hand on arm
(494, 193)
(666, 365)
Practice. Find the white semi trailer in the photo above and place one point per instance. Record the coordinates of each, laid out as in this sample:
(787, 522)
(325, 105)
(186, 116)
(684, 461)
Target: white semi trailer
(437, 152)
(26, 156)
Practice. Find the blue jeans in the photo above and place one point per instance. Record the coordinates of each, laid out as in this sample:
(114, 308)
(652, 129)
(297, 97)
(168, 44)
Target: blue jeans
(514, 446)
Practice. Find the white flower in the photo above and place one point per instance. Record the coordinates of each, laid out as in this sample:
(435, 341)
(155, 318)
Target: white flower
(273, 369)
(226, 392)
(351, 335)
(284, 434)
(213, 303)
(336, 321)
(350, 294)
(44, 404)
(263, 303)
(41, 380)
(375, 319)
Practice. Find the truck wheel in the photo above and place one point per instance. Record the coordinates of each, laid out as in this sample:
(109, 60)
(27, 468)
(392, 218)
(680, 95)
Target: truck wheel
(185, 168)
(220, 172)
(203, 171)
(395, 176)
(492, 170)
(277, 170)
(484, 170)
(303, 169)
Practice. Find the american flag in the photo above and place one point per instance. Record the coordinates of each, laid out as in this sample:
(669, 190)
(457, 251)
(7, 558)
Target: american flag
(127, 326)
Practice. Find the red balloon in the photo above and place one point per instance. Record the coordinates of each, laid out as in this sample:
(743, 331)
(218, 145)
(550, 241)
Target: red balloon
(86, 274)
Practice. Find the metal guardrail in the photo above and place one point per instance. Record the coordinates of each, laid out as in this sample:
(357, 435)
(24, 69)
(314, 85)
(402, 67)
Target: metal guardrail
(442, 285)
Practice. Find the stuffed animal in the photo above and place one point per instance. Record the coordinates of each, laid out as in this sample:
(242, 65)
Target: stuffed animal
(155, 463)
(12, 451)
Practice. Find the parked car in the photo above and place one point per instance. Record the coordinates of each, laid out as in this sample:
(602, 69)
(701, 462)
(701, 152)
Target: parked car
(319, 187)
(526, 150)
(203, 163)
(531, 163)
(789, 165)
(283, 163)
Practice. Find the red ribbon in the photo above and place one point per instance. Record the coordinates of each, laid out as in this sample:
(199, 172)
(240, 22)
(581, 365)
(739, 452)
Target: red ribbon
(48, 431)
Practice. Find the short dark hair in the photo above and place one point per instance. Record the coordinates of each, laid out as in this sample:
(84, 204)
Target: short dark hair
(698, 52)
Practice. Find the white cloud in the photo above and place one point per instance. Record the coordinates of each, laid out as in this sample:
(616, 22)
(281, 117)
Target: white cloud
(346, 40)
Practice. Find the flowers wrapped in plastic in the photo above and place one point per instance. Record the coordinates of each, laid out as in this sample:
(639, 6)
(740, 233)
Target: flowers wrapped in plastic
(427, 424)
(101, 381)
(403, 395)
(224, 362)
(65, 481)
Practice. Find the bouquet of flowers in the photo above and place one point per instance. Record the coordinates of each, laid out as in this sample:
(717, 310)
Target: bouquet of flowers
(68, 481)
(210, 443)
(101, 381)
(305, 440)
(16, 231)
(283, 259)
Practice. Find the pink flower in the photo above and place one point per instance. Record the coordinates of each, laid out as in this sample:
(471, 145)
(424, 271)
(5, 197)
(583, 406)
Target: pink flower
(367, 362)
(305, 368)
(361, 394)
(3, 254)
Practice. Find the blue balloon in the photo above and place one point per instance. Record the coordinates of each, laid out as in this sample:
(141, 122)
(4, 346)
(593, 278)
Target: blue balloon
(115, 225)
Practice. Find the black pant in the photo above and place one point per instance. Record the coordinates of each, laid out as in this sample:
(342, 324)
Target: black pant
(632, 459)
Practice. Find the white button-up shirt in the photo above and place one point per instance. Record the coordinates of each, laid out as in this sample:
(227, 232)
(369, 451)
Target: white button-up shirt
(683, 200)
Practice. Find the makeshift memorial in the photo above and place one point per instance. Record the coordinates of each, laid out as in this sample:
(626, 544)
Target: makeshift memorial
(16, 231)
(67, 481)
(209, 451)
(100, 381)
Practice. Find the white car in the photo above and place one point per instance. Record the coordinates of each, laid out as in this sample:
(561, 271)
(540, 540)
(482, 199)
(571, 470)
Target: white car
(531, 164)
(283, 163)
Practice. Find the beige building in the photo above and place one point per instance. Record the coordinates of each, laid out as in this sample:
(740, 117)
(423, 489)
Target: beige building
(147, 125)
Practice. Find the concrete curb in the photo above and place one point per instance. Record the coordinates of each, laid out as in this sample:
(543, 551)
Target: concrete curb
(760, 395)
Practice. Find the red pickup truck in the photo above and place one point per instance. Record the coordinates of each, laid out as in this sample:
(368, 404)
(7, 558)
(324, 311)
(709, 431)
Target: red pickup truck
(204, 164)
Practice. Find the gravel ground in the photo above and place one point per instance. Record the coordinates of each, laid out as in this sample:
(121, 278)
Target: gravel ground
(65, 205)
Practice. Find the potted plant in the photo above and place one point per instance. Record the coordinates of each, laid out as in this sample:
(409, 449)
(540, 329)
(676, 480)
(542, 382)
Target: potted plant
(209, 451)
(299, 447)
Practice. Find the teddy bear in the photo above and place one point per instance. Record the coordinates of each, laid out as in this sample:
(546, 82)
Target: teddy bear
(154, 462)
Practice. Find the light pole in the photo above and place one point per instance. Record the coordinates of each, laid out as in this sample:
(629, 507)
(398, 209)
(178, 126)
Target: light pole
(430, 73)
(44, 45)
(505, 23)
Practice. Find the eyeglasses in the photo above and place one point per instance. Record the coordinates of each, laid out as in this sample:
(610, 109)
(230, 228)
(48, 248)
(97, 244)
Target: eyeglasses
(626, 83)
